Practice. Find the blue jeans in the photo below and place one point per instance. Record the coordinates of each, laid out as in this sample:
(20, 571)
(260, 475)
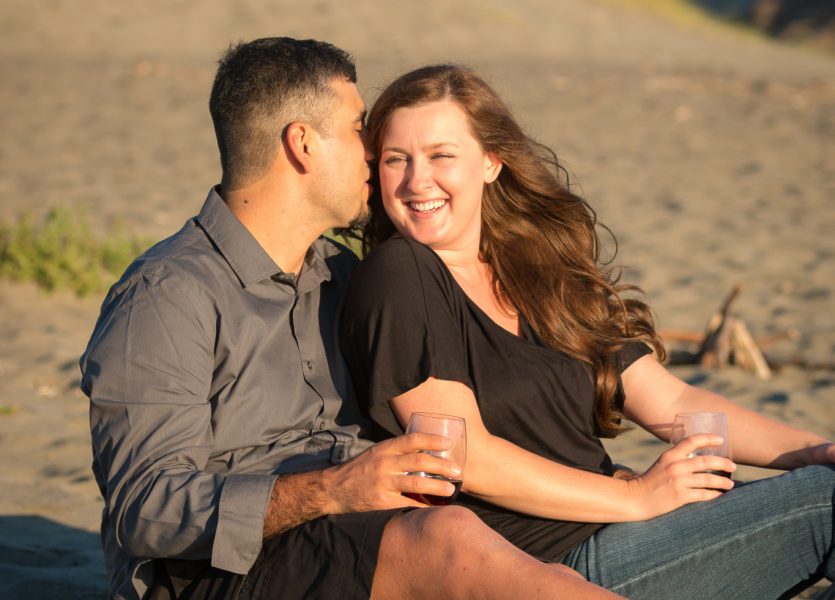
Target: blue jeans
(762, 540)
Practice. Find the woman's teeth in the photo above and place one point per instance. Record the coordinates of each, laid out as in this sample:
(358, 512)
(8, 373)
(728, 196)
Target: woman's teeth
(427, 206)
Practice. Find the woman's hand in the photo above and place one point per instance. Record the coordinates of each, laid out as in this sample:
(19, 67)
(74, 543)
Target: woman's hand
(677, 479)
(824, 454)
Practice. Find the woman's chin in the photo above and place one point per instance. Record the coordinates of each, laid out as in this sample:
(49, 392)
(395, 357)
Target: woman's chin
(421, 234)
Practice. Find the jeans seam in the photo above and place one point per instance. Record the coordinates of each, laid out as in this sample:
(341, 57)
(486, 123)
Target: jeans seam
(719, 544)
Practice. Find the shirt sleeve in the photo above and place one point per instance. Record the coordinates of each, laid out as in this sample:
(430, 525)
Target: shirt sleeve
(147, 371)
(626, 356)
(402, 324)
(630, 353)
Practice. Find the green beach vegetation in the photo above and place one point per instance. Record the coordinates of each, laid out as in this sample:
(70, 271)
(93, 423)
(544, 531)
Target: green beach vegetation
(348, 238)
(59, 251)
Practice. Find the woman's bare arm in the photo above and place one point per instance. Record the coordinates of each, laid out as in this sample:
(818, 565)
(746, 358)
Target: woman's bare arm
(654, 396)
(504, 474)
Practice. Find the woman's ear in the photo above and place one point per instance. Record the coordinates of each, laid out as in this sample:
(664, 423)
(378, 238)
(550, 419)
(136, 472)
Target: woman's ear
(297, 140)
(492, 168)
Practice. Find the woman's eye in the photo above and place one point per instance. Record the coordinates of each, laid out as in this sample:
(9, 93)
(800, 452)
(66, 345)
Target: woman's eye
(394, 160)
(442, 155)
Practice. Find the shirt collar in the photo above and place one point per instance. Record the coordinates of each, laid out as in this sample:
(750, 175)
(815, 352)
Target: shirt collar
(246, 257)
(314, 270)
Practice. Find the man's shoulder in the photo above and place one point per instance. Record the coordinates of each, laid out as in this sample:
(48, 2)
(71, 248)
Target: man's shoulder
(171, 286)
(186, 260)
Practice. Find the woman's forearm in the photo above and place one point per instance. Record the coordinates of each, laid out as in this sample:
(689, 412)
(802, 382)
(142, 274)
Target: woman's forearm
(504, 474)
(501, 473)
(756, 439)
(654, 396)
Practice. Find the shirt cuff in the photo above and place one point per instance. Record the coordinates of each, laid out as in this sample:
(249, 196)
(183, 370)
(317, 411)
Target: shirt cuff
(240, 524)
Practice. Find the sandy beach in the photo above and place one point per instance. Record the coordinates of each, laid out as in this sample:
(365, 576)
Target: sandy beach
(708, 150)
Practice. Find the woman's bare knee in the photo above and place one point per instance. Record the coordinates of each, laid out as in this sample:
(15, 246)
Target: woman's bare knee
(444, 542)
(450, 553)
(564, 570)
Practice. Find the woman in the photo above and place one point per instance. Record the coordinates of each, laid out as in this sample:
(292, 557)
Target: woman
(484, 297)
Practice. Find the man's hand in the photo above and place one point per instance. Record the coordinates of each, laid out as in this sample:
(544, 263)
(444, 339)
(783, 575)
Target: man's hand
(374, 480)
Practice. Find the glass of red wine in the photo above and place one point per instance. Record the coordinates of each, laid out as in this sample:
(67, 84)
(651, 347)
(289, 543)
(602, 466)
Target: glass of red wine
(692, 423)
(454, 428)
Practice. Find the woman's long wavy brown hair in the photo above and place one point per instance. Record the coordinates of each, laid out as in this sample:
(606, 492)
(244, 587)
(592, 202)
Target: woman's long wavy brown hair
(539, 237)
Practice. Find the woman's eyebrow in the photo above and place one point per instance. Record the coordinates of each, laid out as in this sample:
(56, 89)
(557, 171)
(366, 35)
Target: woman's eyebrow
(434, 146)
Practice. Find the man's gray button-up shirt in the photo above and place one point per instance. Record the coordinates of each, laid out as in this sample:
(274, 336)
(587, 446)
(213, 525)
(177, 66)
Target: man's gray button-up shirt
(210, 373)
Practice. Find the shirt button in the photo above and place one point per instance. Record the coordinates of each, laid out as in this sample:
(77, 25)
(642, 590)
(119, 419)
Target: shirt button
(321, 425)
(309, 365)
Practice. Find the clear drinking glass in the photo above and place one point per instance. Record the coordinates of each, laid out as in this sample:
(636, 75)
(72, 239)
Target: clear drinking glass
(692, 423)
(450, 427)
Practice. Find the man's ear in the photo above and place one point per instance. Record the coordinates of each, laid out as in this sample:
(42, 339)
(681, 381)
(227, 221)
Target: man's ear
(492, 168)
(297, 141)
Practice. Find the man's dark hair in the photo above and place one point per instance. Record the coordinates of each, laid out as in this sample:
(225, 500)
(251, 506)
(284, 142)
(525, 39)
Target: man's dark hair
(261, 87)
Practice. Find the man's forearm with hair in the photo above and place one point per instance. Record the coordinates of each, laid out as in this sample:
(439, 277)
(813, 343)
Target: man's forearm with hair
(295, 499)
(372, 480)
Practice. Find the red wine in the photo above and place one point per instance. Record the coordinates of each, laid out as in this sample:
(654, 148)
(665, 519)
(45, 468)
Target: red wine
(721, 474)
(433, 500)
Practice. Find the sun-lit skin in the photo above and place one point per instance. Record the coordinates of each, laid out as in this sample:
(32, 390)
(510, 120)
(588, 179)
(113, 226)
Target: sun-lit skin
(318, 180)
(345, 188)
(432, 176)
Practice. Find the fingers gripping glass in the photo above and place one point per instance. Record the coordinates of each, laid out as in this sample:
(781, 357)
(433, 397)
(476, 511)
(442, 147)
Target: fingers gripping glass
(450, 427)
(693, 423)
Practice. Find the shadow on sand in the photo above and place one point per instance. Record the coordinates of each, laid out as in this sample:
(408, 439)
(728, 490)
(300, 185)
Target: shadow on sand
(41, 559)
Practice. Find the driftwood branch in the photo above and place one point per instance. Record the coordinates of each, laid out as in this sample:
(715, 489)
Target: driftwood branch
(765, 342)
(727, 341)
(746, 352)
(716, 345)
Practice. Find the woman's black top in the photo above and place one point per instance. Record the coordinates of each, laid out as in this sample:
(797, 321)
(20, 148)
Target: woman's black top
(406, 319)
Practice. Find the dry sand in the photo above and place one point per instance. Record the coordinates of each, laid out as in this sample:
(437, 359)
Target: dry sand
(710, 152)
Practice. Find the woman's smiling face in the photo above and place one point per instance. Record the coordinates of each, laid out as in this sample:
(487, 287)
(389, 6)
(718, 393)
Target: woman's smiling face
(432, 175)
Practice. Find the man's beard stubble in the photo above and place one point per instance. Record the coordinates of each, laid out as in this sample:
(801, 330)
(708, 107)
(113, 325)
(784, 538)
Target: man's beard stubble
(360, 219)
(356, 225)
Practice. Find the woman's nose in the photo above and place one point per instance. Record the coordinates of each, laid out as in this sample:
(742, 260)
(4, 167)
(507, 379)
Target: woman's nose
(419, 179)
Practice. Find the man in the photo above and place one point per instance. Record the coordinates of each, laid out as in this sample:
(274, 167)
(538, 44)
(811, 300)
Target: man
(226, 438)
